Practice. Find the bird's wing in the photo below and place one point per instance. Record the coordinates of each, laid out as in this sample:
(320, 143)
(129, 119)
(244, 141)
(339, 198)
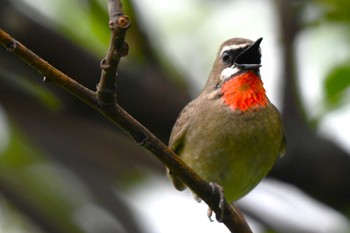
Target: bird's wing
(283, 146)
(180, 128)
(177, 139)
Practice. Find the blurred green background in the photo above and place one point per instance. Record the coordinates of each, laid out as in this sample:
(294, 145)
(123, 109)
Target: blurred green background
(63, 168)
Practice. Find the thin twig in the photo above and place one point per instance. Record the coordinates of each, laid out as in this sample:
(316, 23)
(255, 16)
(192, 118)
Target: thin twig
(118, 48)
(105, 103)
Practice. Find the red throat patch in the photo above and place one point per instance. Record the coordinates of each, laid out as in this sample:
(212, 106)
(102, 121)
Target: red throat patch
(244, 91)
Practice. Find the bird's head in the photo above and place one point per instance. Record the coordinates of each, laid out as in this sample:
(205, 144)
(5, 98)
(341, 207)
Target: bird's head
(235, 74)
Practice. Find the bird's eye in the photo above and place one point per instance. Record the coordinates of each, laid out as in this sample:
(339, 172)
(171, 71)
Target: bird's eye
(226, 57)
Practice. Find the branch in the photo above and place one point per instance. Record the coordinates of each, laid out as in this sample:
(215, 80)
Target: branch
(118, 48)
(104, 101)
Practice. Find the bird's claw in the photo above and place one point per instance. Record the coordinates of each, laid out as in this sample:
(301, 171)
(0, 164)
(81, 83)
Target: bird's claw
(209, 214)
(217, 189)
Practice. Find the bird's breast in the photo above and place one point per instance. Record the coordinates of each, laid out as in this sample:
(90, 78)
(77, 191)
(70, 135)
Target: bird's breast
(234, 148)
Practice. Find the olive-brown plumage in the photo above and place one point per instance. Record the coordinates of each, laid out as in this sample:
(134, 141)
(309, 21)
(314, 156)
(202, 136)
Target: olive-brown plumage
(230, 134)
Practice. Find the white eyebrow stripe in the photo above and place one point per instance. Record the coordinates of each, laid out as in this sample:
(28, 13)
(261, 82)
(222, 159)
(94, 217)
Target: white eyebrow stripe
(232, 47)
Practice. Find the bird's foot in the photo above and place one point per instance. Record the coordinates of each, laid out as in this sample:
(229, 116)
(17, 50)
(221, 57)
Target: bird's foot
(217, 190)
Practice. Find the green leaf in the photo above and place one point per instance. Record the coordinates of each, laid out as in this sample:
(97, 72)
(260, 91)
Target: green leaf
(336, 84)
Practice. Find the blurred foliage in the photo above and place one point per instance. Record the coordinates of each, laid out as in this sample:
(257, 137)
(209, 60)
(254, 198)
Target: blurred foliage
(39, 92)
(84, 22)
(336, 86)
(52, 190)
(336, 83)
(27, 172)
(13, 221)
(335, 10)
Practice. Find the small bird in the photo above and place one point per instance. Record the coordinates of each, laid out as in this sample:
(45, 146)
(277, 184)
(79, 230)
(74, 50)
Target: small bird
(231, 134)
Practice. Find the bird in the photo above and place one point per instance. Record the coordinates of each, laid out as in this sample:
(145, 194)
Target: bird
(231, 135)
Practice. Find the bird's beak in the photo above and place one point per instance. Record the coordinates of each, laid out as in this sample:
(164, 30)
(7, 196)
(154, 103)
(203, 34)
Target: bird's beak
(250, 58)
